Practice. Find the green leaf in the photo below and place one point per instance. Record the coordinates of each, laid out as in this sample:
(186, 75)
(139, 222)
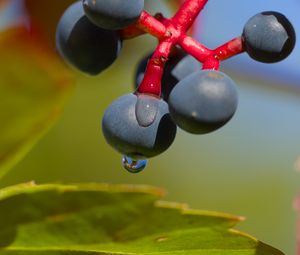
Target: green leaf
(103, 219)
(33, 87)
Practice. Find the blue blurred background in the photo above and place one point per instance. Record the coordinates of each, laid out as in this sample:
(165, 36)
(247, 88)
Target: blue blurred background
(245, 168)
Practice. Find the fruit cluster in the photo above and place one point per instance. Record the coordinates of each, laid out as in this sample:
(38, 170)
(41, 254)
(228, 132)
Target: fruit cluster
(179, 84)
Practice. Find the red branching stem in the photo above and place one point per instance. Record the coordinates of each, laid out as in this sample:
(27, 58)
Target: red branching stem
(146, 24)
(172, 32)
(211, 63)
(229, 49)
(194, 48)
(151, 83)
(151, 25)
(188, 12)
(201, 53)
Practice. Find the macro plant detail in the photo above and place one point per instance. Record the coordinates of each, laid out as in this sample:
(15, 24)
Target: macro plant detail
(168, 94)
(244, 169)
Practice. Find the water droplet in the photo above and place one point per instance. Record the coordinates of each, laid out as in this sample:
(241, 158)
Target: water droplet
(132, 165)
(146, 109)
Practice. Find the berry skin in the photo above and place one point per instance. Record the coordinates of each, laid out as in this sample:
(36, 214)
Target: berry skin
(178, 66)
(113, 14)
(83, 45)
(203, 102)
(122, 131)
(269, 37)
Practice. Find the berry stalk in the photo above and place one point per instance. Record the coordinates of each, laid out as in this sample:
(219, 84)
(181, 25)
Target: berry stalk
(172, 32)
(229, 49)
(151, 83)
(194, 48)
(145, 24)
(151, 25)
(187, 13)
(211, 63)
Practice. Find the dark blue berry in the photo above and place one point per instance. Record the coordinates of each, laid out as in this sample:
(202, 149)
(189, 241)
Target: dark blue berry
(113, 14)
(203, 102)
(178, 66)
(83, 45)
(123, 132)
(269, 37)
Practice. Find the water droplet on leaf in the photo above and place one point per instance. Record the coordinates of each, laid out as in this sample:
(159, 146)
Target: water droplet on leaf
(133, 165)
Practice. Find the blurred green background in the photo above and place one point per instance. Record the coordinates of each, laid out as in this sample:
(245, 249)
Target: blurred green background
(245, 168)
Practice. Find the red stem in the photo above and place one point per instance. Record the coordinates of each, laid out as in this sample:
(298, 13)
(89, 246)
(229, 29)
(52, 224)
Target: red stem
(194, 48)
(187, 13)
(211, 63)
(229, 49)
(151, 25)
(172, 32)
(146, 24)
(151, 83)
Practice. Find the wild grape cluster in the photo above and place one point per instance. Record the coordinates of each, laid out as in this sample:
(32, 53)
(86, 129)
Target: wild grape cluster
(178, 84)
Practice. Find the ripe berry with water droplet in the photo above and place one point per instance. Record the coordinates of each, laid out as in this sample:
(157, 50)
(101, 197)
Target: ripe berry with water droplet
(139, 125)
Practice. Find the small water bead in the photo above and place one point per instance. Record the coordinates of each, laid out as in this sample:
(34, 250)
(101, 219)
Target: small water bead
(132, 165)
(146, 109)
